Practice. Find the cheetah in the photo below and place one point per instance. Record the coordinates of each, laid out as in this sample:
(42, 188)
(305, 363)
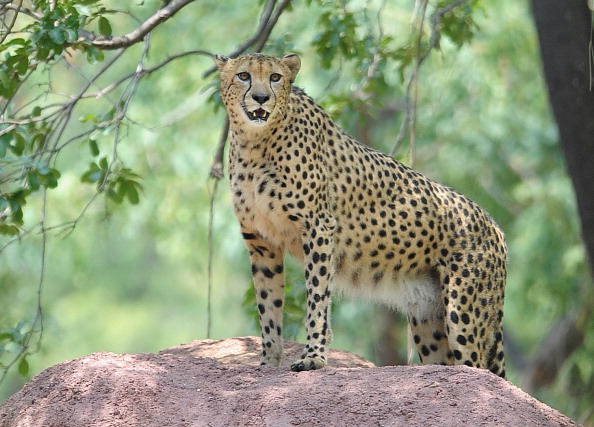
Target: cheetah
(361, 223)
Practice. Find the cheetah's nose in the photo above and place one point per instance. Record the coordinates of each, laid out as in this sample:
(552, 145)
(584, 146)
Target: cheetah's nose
(260, 98)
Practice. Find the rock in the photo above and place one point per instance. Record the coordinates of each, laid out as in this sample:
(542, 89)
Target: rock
(219, 383)
(246, 351)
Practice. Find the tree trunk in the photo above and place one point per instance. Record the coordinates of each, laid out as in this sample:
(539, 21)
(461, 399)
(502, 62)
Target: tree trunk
(565, 31)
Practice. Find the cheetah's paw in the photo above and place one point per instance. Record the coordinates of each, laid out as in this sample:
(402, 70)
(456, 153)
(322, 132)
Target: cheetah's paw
(309, 363)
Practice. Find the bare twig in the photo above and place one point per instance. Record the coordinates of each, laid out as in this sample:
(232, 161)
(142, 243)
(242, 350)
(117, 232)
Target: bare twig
(21, 82)
(61, 122)
(21, 9)
(216, 170)
(11, 24)
(411, 101)
(144, 72)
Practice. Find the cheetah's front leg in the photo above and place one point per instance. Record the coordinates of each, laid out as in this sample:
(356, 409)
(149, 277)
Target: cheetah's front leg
(269, 281)
(317, 249)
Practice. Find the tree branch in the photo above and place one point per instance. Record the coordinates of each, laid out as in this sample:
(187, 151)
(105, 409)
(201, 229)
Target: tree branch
(21, 9)
(11, 23)
(216, 170)
(162, 15)
(268, 20)
(145, 71)
(265, 34)
(112, 43)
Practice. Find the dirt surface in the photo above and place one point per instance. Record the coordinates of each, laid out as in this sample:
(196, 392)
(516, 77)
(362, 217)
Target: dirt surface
(219, 383)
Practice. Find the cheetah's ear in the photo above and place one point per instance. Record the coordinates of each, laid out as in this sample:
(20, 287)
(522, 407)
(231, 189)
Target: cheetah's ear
(221, 61)
(293, 62)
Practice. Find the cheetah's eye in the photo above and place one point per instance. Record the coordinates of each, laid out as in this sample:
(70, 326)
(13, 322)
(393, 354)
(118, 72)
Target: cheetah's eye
(275, 77)
(244, 76)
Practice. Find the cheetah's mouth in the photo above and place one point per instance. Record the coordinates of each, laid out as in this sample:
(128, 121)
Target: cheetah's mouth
(259, 115)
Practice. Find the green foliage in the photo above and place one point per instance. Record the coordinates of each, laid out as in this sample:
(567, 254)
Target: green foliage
(14, 347)
(118, 183)
(104, 26)
(33, 175)
(341, 36)
(31, 136)
(459, 25)
(14, 67)
(56, 30)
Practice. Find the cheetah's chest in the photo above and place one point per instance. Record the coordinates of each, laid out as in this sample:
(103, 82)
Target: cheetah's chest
(258, 208)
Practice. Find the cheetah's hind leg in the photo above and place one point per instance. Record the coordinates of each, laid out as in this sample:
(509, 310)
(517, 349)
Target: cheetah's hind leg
(431, 340)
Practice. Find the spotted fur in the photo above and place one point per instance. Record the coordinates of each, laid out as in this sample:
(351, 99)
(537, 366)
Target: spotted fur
(361, 222)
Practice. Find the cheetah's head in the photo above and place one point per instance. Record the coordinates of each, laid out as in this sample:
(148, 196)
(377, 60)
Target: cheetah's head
(255, 88)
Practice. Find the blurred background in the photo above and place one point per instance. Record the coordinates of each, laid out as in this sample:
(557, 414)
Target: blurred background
(129, 273)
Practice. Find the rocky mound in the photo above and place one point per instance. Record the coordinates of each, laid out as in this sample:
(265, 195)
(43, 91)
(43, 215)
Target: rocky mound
(219, 383)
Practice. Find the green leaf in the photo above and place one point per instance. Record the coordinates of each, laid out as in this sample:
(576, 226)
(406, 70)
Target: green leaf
(94, 55)
(37, 141)
(132, 192)
(9, 230)
(118, 196)
(83, 10)
(94, 147)
(24, 367)
(4, 204)
(96, 176)
(93, 175)
(104, 26)
(57, 35)
(108, 115)
(33, 180)
(5, 140)
(4, 78)
(42, 53)
(88, 118)
(14, 42)
(19, 146)
(8, 85)
(52, 177)
(43, 169)
(71, 35)
(23, 65)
